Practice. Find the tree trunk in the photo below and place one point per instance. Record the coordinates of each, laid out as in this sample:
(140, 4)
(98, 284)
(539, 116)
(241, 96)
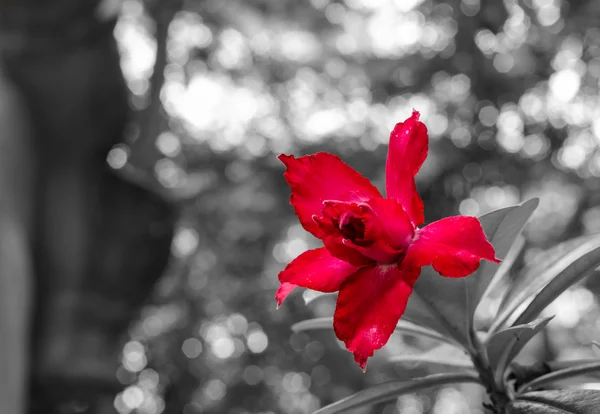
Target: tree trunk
(15, 254)
(99, 243)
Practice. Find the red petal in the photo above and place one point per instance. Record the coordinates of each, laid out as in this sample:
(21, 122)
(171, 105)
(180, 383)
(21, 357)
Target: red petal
(283, 291)
(314, 269)
(381, 230)
(398, 231)
(369, 306)
(346, 251)
(319, 177)
(454, 246)
(406, 153)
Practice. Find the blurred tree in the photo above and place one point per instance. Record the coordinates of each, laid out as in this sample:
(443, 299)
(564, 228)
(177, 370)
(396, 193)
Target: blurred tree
(16, 276)
(98, 241)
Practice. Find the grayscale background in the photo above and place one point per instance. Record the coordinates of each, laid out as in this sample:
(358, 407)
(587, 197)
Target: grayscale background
(144, 216)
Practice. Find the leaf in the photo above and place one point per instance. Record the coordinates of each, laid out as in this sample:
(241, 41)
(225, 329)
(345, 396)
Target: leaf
(312, 295)
(391, 390)
(416, 360)
(432, 363)
(569, 363)
(402, 326)
(408, 327)
(558, 269)
(542, 262)
(592, 367)
(556, 402)
(420, 313)
(443, 356)
(502, 238)
(574, 273)
(505, 345)
(450, 299)
(506, 265)
(312, 324)
(522, 374)
(417, 312)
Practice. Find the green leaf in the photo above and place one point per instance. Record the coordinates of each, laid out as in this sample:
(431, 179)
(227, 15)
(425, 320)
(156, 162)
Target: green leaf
(389, 391)
(402, 326)
(505, 345)
(450, 300)
(502, 237)
(558, 268)
(592, 367)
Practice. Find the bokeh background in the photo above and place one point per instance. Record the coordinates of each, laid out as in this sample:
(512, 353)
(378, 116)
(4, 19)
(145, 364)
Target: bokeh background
(509, 90)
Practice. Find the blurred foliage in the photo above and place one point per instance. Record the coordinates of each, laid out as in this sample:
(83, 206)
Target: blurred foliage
(508, 90)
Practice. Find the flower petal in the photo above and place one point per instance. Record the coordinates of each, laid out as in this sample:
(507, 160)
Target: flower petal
(319, 177)
(406, 153)
(397, 229)
(454, 246)
(378, 230)
(283, 291)
(338, 248)
(388, 228)
(314, 269)
(368, 307)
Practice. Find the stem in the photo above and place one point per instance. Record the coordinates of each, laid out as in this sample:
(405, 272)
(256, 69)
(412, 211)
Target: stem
(498, 398)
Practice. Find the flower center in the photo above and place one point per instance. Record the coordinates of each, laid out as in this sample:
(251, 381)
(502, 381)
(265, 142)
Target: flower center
(352, 227)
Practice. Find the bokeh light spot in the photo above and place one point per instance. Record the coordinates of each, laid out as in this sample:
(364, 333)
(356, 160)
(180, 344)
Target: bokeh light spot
(185, 242)
(168, 143)
(192, 348)
(257, 341)
(253, 375)
(117, 157)
(134, 357)
(223, 347)
(215, 389)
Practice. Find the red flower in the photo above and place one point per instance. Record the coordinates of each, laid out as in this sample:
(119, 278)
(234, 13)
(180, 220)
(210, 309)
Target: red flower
(373, 248)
